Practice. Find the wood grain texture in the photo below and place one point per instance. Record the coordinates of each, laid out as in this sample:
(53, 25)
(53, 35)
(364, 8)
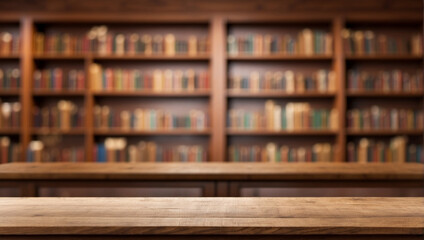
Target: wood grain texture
(107, 6)
(212, 171)
(201, 216)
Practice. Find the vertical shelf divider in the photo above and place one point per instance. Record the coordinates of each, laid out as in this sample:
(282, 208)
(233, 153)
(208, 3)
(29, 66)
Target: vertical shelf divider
(26, 64)
(218, 80)
(89, 107)
(339, 68)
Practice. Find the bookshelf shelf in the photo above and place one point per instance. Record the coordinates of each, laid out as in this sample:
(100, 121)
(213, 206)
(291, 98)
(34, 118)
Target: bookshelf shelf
(9, 131)
(44, 131)
(277, 94)
(120, 132)
(385, 94)
(181, 94)
(55, 93)
(384, 57)
(14, 92)
(282, 133)
(351, 132)
(153, 57)
(60, 57)
(280, 57)
(10, 57)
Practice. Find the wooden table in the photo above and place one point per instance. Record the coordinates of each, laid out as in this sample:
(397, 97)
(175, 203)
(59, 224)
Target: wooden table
(212, 218)
(215, 179)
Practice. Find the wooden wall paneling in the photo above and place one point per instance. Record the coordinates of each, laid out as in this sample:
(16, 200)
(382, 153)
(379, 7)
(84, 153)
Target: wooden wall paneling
(339, 68)
(27, 65)
(218, 94)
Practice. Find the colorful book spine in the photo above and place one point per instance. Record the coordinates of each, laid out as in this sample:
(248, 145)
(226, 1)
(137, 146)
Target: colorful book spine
(385, 81)
(271, 152)
(9, 43)
(397, 150)
(38, 152)
(148, 119)
(368, 43)
(101, 41)
(306, 42)
(118, 79)
(64, 116)
(377, 117)
(10, 78)
(321, 81)
(9, 151)
(10, 115)
(292, 116)
(118, 150)
(57, 79)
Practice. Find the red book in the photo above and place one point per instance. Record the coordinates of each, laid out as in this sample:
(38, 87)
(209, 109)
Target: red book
(109, 79)
(58, 78)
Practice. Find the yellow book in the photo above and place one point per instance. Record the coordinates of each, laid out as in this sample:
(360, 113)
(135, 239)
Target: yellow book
(192, 45)
(170, 45)
(269, 113)
(96, 76)
(157, 80)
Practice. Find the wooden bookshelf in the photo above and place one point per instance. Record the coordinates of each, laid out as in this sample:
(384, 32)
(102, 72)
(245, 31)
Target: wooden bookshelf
(144, 93)
(75, 93)
(12, 92)
(50, 131)
(219, 98)
(171, 132)
(282, 133)
(378, 94)
(9, 131)
(281, 57)
(415, 132)
(152, 57)
(392, 57)
(277, 94)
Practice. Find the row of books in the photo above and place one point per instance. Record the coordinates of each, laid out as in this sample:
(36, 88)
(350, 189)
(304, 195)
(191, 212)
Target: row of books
(385, 81)
(10, 78)
(377, 117)
(65, 116)
(10, 115)
(9, 151)
(307, 42)
(292, 116)
(38, 152)
(9, 44)
(397, 150)
(288, 81)
(367, 42)
(319, 152)
(118, 150)
(99, 40)
(158, 80)
(59, 79)
(148, 119)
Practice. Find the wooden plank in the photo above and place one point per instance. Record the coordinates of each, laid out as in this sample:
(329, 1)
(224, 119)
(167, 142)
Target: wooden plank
(27, 68)
(213, 171)
(205, 6)
(201, 216)
(219, 80)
